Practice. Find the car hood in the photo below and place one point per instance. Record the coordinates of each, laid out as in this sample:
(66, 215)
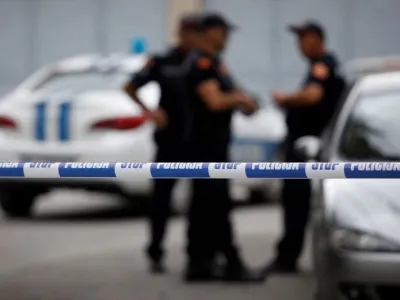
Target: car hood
(367, 205)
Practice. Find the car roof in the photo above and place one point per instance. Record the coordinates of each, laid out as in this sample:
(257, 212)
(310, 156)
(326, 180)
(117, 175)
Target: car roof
(379, 81)
(373, 65)
(125, 62)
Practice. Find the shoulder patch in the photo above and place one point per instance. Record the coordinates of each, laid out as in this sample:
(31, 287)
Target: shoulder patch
(150, 62)
(204, 63)
(320, 70)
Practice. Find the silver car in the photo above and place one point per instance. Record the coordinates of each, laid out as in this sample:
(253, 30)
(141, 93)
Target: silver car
(356, 222)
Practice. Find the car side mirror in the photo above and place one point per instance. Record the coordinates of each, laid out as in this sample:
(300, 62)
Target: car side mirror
(308, 147)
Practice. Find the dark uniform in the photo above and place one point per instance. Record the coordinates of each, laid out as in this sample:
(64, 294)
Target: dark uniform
(302, 121)
(170, 141)
(210, 229)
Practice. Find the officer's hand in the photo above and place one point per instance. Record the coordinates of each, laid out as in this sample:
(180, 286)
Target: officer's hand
(279, 98)
(158, 116)
(247, 104)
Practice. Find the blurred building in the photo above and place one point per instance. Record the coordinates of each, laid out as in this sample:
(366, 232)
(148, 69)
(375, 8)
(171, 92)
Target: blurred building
(262, 54)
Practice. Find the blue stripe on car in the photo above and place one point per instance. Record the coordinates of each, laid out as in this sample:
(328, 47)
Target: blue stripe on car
(40, 128)
(64, 130)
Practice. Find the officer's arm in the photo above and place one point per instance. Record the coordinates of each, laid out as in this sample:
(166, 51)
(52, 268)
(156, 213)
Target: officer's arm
(313, 92)
(207, 87)
(216, 100)
(232, 81)
(146, 75)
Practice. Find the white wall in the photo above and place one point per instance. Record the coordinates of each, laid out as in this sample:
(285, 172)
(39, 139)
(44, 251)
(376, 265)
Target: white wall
(34, 32)
(263, 54)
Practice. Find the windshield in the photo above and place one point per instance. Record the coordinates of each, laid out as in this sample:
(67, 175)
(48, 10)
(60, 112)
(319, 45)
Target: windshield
(372, 131)
(85, 80)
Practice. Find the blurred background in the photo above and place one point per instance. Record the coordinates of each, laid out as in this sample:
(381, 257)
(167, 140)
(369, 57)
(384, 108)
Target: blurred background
(81, 245)
(262, 54)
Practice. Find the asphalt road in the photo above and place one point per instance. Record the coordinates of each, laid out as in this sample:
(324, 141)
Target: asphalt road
(85, 247)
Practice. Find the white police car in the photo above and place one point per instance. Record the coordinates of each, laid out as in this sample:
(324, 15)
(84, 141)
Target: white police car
(356, 223)
(75, 110)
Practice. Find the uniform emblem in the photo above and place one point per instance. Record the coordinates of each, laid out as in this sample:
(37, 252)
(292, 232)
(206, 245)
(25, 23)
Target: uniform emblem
(320, 71)
(150, 62)
(204, 63)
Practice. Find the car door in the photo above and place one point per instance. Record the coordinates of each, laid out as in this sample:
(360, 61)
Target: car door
(319, 228)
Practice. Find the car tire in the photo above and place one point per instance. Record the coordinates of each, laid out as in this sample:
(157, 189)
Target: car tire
(17, 200)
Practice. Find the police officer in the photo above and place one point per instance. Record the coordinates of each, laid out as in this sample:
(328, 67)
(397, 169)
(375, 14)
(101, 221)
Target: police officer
(308, 112)
(213, 97)
(171, 120)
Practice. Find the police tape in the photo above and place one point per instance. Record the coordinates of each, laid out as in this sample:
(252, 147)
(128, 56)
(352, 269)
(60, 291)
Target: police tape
(129, 170)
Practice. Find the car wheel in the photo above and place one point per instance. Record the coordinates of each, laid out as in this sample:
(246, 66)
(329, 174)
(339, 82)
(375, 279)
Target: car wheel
(17, 200)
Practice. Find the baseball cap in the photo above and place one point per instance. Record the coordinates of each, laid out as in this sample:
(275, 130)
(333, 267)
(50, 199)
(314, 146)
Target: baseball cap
(190, 21)
(308, 27)
(215, 20)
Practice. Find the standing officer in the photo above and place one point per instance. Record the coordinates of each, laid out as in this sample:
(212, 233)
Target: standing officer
(308, 112)
(213, 99)
(171, 120)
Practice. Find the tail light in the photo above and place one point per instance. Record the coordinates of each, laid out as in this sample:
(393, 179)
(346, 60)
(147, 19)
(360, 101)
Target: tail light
(6, 122)
(122, 123)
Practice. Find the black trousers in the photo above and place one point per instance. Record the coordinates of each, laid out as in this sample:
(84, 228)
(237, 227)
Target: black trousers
(159, 209)
(210, 229)
(296, 198)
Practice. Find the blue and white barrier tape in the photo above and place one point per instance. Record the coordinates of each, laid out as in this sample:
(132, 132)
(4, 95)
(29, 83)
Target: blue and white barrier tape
(49, 170)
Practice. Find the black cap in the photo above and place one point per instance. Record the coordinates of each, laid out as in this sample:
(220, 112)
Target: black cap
(215, 20)
(308, 27)
(190, 21)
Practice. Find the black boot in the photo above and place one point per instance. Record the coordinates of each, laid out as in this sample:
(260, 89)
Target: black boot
(155, 256)
(201, 271)
(157, 267)
(238, 272)
(280, 267)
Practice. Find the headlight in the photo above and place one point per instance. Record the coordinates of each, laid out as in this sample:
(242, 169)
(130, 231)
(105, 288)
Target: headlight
(353, 240)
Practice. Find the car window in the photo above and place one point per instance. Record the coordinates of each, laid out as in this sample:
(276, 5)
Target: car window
(85, 80)
(372, 131)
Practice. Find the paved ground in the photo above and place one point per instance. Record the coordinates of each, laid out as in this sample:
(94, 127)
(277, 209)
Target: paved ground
(95, 253)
